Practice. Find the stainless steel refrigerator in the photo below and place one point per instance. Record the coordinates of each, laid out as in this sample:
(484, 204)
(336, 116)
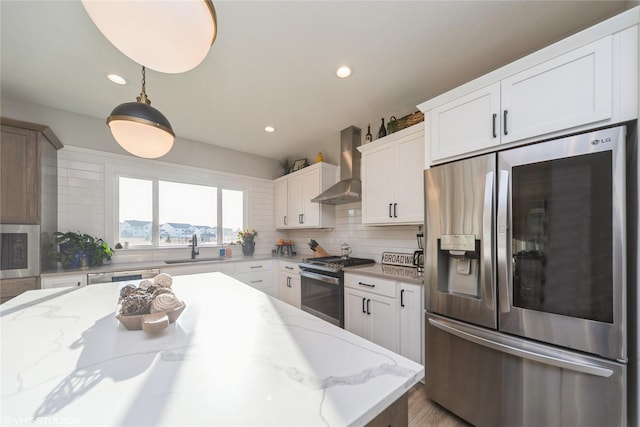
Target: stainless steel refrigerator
(530, 316)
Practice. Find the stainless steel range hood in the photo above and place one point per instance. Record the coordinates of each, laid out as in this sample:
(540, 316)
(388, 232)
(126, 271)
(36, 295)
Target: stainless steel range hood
(349, 189)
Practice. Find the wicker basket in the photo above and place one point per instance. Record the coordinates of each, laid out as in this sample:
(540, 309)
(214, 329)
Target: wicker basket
(404, 122)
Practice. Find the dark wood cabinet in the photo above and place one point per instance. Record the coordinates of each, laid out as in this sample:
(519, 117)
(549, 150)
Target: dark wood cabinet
(28, 188)
(19, 176)
(10, 288)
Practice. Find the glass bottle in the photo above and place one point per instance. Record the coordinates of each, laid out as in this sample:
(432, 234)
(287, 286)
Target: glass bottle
(368, 137)
(383, 130)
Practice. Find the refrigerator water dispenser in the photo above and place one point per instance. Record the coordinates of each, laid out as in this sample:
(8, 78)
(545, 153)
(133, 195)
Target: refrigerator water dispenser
(459, 264)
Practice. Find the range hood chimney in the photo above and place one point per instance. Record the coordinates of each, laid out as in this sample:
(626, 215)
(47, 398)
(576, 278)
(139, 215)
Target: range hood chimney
(349, 189)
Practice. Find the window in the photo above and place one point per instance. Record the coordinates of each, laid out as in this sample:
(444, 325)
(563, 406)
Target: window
(177, 212)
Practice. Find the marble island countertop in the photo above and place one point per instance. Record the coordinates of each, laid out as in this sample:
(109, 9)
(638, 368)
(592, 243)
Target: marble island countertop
(234, 357)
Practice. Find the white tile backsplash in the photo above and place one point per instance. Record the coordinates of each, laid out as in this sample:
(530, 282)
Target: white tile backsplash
(82, 207)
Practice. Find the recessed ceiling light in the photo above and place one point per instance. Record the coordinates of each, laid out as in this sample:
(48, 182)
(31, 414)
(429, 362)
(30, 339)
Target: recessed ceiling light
(119, 80)
(343, 72)
(269, 129)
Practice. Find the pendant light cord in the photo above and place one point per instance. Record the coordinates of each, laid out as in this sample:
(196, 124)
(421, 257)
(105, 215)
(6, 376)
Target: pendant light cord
(143, 95)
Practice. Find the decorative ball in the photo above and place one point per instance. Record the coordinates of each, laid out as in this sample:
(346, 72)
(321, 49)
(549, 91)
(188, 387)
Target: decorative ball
(136, 304)
(165, 302)
(145, 284)
(163, 279)
(127, 290)
(160, 290)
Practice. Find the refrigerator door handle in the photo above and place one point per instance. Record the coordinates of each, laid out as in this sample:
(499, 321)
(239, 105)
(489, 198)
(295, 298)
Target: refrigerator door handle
(487, 239)
(524, 354)
(503, 232)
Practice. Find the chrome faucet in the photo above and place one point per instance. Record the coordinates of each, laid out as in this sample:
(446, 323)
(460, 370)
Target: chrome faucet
(194, 247)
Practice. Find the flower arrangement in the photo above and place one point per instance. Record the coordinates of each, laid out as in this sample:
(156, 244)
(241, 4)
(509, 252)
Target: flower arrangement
(247, 236)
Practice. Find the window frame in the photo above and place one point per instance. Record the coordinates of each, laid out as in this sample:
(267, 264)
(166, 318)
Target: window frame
(182, 175)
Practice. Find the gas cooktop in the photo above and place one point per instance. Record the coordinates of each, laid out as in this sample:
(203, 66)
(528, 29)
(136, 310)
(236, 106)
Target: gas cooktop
(333, 263)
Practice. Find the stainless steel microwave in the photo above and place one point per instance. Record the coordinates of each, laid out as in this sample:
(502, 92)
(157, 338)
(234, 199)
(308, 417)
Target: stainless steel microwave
(19, 250)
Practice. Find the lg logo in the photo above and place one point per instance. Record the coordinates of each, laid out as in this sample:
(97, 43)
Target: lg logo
(600, 141)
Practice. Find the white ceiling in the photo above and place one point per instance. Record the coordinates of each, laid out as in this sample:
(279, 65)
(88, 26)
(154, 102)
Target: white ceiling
(274, 63)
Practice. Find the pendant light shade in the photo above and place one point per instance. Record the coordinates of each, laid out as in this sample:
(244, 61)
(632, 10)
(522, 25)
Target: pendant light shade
(141, 129)
(170, 36)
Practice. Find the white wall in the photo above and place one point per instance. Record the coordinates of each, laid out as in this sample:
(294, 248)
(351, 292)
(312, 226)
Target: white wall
(83, 131)
(85, 200)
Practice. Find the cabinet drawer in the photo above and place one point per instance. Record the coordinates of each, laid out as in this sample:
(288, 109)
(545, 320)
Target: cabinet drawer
(63, 281)
(262, 280)
(247, 267)
(289, 267)
(374, 285)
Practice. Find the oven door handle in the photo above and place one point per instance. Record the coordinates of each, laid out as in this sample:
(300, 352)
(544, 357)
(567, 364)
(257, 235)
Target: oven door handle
(320, 277)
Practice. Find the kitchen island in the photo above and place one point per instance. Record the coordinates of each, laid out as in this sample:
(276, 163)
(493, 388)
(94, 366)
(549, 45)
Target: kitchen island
(235, 356)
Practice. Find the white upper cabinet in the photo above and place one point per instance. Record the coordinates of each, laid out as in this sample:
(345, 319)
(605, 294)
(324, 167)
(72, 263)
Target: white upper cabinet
(466, 124)
(587, 80)
(293, 192)
(282, 197)
(567, 91)
(392, 178)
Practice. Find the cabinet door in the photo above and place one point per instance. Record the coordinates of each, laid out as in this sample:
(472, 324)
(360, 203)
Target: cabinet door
(294, 211)
(76, 280)
(19, 182)
(570, 90)
(377, 185)
(411, 322)
(310, 189)
(281, 204)
(469, 123)
(409, 181)
(289, 289)
(356, 319)
(10, 288)
(383, 316)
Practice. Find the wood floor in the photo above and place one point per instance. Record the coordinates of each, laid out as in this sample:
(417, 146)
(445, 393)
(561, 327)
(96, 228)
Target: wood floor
(423, 412)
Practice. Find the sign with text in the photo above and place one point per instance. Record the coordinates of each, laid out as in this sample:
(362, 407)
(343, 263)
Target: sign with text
(392, 258)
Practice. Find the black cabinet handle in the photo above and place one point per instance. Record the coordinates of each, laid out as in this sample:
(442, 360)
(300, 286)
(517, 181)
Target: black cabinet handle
(368, 301)
(288, 268)
(366, 284)
(402, 298)
(288, 282)
(255, 266)
(495, 116)
(285, 220)
(363, 300)
(504, 118)
(256, 281)
(390, 211)
(395, 209)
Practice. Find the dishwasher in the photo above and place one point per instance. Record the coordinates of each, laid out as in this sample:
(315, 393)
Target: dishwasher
(122, 276)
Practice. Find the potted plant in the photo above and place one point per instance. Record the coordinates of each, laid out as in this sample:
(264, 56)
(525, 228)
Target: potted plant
(248, 244)
(80, 250)
(286, 166)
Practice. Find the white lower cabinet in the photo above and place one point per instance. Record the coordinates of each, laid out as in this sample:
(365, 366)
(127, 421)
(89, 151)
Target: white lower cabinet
(387, 312)
(257, 274)
(411, 322)
(63, 281)
(289, 284)
(371, 309)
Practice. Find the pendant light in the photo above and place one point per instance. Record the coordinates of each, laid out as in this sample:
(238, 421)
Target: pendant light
(170, 36)
(141, 129)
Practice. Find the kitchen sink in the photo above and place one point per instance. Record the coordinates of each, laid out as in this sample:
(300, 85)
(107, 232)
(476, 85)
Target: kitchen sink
(185, 260)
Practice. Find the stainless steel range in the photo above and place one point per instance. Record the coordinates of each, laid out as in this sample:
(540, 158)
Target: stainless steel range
(322, 286)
